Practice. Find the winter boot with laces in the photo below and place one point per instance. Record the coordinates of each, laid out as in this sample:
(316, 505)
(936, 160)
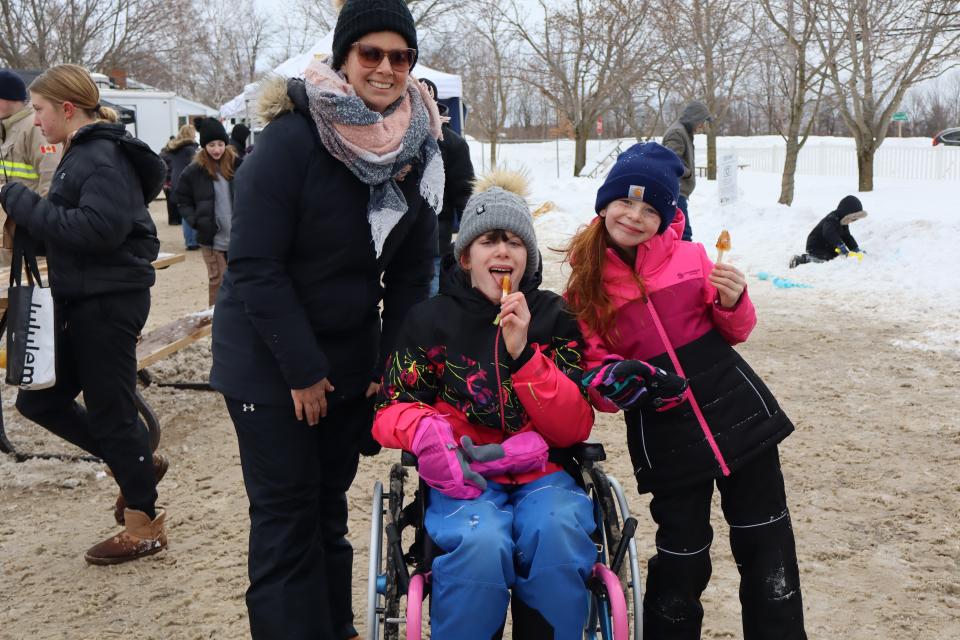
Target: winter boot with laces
(140, 537)
(160, 466)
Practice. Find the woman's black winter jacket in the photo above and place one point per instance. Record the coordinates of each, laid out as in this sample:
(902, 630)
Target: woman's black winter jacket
(195, 198)
(301, 296)
(94, 223)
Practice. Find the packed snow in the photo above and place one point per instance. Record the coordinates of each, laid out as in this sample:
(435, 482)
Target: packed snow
(911, 235)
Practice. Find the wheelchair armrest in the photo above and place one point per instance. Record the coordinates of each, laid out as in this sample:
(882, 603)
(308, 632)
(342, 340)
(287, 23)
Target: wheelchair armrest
(581, 452)
(408, 459)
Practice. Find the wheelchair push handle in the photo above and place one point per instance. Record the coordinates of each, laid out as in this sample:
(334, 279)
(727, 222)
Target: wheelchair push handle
(629, 529)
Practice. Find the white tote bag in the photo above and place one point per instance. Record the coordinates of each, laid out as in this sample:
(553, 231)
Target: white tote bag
(31, 327)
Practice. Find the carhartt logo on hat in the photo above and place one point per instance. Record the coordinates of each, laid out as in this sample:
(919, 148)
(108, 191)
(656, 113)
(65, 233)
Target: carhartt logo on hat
(636, 192)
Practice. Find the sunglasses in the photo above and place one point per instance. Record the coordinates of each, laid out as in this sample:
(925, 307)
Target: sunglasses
(370, 56)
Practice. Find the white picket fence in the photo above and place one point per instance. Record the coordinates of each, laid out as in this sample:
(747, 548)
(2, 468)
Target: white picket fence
(906, 159)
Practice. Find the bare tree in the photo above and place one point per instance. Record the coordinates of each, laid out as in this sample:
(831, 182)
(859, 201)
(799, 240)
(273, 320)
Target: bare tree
(581, 55)
(712, 45)
(885, 47)
(232, 49)
(37, 34)
(796, 76)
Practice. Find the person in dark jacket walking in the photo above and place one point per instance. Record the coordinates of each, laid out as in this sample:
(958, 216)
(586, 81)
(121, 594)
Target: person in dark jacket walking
(679, 138)
(457, 187)
(644, 298)
(205, 198)
(178, 154)
(100, 242)
(831, 237)
(335, 212)
(238, 139)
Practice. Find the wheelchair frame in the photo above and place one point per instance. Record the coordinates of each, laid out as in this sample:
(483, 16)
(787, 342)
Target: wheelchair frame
(389, 578)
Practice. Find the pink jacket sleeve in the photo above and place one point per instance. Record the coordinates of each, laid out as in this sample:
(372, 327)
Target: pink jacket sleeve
(557, 409)
(595, 353)
(395, 425)
(735, 324)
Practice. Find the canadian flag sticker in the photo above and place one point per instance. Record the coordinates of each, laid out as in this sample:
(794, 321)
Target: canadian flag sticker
(48, 148)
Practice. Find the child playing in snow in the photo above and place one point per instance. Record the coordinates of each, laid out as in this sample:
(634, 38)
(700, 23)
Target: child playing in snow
(457, 379)
(831, 237)
(639, 293)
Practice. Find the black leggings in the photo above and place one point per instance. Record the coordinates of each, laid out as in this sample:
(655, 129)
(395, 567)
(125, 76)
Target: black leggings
(97, 355)
(761, 538)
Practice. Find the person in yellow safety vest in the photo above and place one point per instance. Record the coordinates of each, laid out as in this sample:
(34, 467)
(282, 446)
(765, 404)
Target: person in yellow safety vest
(25, 155)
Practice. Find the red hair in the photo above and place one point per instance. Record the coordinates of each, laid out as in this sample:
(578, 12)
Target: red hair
(586, 296)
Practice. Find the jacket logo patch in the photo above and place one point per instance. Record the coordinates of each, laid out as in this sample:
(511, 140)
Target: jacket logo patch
(687, 274)
(636, 192)
(48, 148)
(481, 209)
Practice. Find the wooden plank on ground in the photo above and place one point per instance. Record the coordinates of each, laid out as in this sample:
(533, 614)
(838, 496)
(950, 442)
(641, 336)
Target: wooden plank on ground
(171, 337)
(164, 260)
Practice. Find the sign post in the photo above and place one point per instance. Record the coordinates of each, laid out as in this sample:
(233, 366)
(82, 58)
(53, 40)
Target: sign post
(900, 117)
(727, 179)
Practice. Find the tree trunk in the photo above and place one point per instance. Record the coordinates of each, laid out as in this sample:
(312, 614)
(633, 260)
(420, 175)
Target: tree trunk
(789, 171)
(865, 167)
(493, 152)
(580, 154)
(711, 153)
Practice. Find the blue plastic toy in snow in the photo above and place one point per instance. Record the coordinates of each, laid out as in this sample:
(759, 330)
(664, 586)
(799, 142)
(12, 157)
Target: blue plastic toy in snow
(782, 283)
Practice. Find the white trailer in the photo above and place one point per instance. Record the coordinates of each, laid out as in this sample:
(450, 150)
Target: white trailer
(159, 114)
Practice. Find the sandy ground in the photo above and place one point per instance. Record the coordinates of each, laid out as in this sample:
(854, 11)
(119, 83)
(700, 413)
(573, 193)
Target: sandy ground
(871, 476)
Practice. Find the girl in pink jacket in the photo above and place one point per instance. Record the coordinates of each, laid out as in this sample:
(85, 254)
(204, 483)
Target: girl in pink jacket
(645, 299)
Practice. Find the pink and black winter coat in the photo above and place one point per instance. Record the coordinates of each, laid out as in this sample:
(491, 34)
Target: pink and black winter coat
(730, 415)
(450, 360)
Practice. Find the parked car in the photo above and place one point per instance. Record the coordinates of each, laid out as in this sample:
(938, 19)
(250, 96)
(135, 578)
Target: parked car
(949, 137)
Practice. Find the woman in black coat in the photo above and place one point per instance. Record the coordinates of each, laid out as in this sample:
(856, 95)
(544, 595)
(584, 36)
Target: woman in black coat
(100, 242)
(335, 213)
(205, 197)
(178, 154)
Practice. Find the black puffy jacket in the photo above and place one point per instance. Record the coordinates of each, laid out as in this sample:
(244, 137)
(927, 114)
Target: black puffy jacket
(94, 222)
(830, 234)
(196, 199)
(300, 298)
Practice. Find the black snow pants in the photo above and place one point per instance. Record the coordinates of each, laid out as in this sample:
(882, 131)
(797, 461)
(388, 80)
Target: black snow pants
(97, 354)
(761, 538)
(297, 476)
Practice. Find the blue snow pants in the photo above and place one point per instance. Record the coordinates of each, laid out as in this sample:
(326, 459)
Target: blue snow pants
(534, 539)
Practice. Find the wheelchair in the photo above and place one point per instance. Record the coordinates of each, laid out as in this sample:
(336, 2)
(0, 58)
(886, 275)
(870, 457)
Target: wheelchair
(396, 575)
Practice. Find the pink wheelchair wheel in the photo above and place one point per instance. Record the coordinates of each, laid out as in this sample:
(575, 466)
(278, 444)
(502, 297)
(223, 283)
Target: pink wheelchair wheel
(415, 607)
(618, 604)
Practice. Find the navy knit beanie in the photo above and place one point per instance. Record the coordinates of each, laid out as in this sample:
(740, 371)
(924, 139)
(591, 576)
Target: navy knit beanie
(360, 17)
(649, 172)
(12, 86)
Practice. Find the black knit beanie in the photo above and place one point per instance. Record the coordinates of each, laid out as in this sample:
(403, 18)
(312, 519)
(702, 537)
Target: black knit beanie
(360, 17)
(212, 129)
(12, 86)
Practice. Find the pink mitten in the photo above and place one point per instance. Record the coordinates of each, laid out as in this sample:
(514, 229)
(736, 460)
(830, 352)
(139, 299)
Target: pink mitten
(523, 452)
(438, 463)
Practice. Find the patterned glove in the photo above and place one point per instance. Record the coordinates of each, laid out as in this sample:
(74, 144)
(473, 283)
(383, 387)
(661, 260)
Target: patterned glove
(667, 390)
(627, 383)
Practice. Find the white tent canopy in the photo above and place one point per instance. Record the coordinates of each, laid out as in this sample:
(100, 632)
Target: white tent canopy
(448, 84)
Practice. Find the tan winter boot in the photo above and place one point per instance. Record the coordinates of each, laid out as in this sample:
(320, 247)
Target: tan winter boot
(140, 538)
(160, 466)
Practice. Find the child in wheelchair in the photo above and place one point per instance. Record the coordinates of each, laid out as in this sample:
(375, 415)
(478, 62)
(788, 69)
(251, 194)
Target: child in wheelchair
(485, 379)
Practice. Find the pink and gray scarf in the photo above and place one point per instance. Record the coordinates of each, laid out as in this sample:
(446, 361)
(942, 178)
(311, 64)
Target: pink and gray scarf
(379, 149)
